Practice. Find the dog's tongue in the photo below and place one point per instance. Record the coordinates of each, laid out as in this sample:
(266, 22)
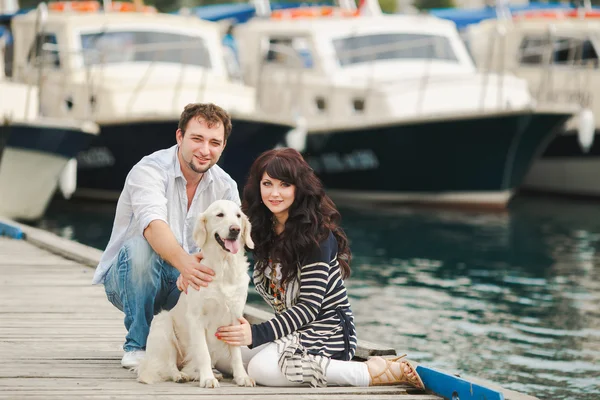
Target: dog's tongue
(232, 245)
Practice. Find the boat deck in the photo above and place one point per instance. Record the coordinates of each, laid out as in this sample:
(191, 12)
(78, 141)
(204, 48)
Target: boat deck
(61, 339)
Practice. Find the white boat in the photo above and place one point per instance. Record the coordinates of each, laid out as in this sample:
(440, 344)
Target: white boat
(556, 51)
(39, 153)
(132, 71)
(393, 107)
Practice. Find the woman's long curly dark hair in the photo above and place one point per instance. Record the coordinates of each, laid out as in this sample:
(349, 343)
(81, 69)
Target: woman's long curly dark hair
(311, 217)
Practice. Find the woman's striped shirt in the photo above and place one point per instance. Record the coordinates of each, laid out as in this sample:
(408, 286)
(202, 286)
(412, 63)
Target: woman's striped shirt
(315, 308)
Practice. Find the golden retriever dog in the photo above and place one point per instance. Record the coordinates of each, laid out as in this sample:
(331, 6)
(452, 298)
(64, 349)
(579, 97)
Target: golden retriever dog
(181, 344)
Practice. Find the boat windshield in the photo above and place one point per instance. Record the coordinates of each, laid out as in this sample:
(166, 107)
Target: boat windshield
(114, 47)
(392, 46)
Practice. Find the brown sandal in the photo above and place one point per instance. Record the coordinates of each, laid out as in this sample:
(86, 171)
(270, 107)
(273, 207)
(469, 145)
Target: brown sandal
(390, 371)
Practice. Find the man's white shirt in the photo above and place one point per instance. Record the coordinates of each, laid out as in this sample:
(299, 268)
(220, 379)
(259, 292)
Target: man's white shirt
(155, 190)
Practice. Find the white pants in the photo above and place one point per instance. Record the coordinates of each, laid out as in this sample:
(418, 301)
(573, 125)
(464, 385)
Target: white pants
(262, 365)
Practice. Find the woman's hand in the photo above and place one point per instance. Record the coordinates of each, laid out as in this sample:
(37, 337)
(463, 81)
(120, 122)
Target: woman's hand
(236, 335)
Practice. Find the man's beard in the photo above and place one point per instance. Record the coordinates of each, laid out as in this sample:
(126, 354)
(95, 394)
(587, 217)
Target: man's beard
(199, 170)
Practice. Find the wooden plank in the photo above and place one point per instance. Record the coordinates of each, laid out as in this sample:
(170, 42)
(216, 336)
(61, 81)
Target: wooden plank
(61, 349)
(54, 244)
(129, 383)
(58, 357)
(308, 395)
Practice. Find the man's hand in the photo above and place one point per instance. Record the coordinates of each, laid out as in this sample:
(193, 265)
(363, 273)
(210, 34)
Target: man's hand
(180, 284)
(236, 335)
(193, 273)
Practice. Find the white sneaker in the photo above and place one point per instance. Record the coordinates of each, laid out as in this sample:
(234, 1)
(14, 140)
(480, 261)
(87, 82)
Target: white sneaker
(131, 359)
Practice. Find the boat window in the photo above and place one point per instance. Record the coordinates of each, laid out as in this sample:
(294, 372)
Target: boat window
(565, 51)
(573, 51)
(531, 50)
(144, 46)
(44, 51)
(392, 46)
(290, 52)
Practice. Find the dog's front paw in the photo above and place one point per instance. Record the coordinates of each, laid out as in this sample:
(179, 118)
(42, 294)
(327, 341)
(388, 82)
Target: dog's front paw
(245, 381)
(181, 377)
(209, 383)
(218, 375)
(189, 371)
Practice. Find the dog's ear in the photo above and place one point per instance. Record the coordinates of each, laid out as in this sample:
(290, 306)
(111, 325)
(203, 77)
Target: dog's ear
(246, 231)
(199, 234)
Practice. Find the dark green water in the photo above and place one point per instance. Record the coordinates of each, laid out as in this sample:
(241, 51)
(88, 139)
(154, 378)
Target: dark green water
(510, 297)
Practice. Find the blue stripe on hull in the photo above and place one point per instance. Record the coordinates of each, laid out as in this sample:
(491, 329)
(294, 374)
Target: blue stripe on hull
(60, 141)
(480, 154)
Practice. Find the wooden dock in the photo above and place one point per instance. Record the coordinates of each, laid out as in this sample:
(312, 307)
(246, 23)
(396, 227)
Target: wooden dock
(61, 339)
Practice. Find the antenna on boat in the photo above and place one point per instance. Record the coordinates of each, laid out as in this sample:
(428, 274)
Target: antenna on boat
(262, 8)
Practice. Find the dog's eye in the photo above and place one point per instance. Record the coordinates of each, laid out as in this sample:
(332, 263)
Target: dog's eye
(220, 215)
(239, 215)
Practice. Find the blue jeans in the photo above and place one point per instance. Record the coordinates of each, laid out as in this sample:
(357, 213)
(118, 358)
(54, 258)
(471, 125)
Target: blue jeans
(140, 284)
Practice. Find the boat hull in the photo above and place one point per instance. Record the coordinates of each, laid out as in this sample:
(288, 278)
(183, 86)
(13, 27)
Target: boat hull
(476, 160)
(102, 169)
(32, 163)
(564, 168)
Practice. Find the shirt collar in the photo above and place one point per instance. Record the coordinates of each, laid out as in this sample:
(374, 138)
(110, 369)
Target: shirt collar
(178, 173)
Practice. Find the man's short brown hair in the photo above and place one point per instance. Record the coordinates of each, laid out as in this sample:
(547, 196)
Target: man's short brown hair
(209, 112)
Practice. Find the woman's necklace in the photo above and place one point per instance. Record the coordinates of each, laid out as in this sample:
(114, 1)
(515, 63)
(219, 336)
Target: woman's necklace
(276, 286)
(274, 272)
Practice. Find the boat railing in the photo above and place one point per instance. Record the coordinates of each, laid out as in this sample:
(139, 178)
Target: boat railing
(181, 54)
(550, 88)
(369, 56)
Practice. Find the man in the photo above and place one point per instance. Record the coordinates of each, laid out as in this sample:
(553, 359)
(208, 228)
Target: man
(151, 242)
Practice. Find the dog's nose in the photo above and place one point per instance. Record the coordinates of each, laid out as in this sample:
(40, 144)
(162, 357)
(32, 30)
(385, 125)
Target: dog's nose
(234, 230)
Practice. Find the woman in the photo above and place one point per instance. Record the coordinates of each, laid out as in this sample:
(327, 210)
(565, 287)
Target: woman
(301, 260)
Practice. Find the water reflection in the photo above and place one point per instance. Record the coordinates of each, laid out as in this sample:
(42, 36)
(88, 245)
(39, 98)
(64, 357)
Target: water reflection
(511, 297)
(86, 222)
